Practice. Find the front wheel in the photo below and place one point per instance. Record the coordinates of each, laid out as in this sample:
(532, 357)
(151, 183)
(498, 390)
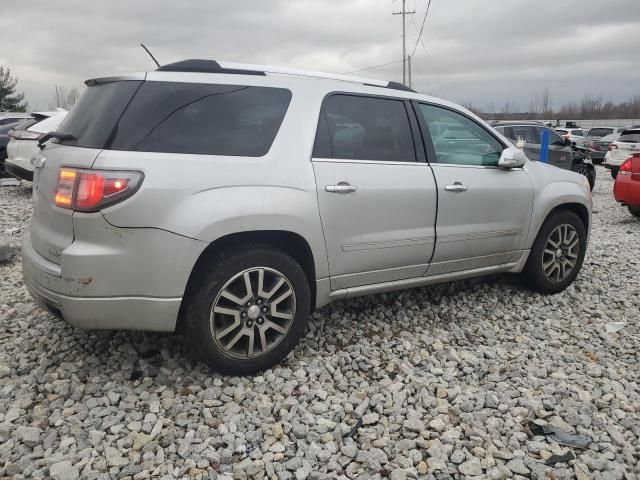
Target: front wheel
(557, 253)
(249, 310)
(589, 172)
(635, 211)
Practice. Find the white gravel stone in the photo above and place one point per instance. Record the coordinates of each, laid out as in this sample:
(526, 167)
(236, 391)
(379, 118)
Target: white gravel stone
(443, 378)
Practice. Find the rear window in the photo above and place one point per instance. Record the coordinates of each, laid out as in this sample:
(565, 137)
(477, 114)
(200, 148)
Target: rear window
(191, 118)
(630, 137)
(600, 132)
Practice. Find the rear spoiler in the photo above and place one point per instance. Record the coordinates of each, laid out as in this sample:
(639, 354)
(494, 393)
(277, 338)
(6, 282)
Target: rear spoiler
(119, 78)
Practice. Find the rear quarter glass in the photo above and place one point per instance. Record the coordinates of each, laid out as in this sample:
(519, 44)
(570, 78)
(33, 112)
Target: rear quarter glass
(94, 117)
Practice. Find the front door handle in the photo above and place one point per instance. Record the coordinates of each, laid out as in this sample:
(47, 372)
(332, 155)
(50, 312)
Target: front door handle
(342, 187)
(457, 187)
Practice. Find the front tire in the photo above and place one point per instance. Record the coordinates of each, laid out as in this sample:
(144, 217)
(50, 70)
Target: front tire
(590, 172)
(249, 310)
(557, 254)
(635, 211)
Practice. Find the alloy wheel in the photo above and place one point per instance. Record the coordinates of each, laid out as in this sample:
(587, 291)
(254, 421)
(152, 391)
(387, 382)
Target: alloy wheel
(560, 255)
(253, 312)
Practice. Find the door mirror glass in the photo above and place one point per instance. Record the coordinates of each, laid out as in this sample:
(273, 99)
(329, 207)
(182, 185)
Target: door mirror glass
(512, 158)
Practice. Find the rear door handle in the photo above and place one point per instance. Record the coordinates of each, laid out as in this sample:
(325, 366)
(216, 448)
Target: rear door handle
(457, 187)
(342, 187)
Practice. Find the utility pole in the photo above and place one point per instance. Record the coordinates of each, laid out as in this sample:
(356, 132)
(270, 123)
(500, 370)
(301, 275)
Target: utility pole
(404, 14)
(409, 65)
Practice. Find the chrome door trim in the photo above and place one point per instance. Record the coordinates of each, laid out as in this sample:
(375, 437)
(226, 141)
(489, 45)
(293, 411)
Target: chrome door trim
(368, 162)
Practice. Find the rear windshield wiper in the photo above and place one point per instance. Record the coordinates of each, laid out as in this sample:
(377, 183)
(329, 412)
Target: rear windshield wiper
(58, 135)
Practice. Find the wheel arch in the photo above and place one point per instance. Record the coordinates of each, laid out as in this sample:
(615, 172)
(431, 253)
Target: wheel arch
(289, 242)
(555, 196)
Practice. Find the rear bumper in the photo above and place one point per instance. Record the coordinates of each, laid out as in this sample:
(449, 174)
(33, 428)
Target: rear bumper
(597, 155)
(18, 171)
(627, 191)
(98, 287)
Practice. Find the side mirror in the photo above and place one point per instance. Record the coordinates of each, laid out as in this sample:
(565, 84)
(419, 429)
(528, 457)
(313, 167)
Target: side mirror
(512, 158)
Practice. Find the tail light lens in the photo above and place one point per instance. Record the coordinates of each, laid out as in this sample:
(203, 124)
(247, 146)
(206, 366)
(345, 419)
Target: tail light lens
(612, 147)
(93, 190)
(625, 168)
(25, 135)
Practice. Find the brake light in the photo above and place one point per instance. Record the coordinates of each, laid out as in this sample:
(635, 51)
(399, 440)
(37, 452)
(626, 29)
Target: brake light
(93, 190)
(625, 168)
(613, 147)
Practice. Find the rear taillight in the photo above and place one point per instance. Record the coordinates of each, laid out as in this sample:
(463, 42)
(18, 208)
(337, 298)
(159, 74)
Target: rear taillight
(93, 190)
(25, 135)
(612, 147)
(625, 168)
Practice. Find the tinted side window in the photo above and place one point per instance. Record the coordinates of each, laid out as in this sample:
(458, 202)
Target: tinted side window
(528, 133)
(202, 119)
(367, 128)
(554, 138)
(458, 139)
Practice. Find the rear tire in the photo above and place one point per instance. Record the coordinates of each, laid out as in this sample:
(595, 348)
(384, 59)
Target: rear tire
(557, 254)
(635, 211)
(248, 310)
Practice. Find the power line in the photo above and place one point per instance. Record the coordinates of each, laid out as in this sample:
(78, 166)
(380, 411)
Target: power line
(429, 59)
(372, 67)
(424, 20)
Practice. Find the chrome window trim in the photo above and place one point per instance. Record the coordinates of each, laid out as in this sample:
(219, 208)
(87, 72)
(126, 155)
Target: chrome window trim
(368, 162)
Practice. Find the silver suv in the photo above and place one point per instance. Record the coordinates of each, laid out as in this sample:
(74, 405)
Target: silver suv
(229, 201)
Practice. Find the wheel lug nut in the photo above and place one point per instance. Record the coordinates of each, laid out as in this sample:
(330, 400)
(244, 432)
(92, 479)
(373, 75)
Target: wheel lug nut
(248, 304)
(265, 309)
(260, 320)
(249, 323)
(244, 314)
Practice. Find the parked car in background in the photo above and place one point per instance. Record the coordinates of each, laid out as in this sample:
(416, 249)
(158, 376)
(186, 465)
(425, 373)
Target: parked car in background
(626, 190)
(561, 153)
(620, 150)
(7, 118)
(23, 143)
(230, 200)
(575, 135)
(599, 146)
(5, 138)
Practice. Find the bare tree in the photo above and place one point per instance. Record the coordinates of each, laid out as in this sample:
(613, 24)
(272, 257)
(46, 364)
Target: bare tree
(64, 97)
(545, 102)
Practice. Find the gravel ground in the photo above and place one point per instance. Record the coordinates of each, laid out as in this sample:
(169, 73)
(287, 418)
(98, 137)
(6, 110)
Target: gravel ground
(429, 383)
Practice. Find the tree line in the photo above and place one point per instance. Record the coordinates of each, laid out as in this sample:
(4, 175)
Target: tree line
(540, 107)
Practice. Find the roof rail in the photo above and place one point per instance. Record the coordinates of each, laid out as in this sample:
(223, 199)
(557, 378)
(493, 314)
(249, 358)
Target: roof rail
(212, 66)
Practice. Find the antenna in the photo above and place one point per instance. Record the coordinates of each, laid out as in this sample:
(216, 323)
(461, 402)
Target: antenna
(150, 54)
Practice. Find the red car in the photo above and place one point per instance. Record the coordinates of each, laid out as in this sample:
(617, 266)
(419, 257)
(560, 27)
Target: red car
(626, 190)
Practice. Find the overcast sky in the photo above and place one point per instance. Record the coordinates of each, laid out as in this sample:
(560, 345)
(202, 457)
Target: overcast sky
(486, 52)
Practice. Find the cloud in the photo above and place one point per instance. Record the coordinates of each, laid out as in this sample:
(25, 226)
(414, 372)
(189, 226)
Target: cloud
(480, 51)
